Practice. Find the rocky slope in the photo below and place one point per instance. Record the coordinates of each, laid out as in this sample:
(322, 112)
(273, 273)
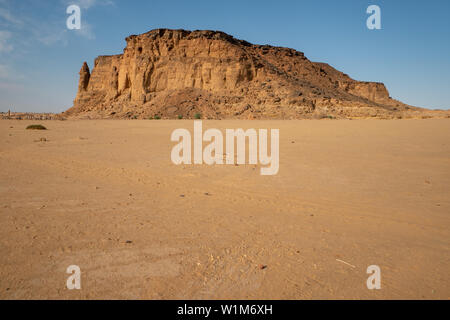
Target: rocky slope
(177, 73)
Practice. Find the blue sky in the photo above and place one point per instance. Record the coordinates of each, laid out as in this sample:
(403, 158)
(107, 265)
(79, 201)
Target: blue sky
(40, 58)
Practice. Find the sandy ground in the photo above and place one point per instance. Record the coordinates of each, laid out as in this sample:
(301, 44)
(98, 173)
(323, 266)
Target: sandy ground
(105, 196)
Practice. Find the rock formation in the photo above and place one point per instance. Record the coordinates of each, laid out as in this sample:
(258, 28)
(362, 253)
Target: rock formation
(178, 73)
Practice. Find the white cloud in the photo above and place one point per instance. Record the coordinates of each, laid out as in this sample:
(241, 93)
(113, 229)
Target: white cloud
(20, 37)
(50, 33)
(87, 31)
(9, 18)
(7, 85)
(5, 46)
(5, 71)
(86, 4)
(50, 38)
(9, 74)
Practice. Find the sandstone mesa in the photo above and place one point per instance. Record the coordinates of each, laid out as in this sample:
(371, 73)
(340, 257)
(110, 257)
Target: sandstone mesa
(177, 74)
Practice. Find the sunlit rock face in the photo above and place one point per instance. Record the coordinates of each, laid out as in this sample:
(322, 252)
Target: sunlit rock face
(179, 73)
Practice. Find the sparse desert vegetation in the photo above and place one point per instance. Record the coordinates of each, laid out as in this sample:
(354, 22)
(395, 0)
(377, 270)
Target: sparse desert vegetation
(36, 127)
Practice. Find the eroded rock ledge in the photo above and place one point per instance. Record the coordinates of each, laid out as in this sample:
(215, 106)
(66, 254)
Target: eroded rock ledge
(179, 73)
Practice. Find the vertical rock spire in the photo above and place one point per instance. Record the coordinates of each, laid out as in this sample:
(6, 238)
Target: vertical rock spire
(85, 74)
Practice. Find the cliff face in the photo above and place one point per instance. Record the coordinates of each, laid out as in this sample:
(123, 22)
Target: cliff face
(178, 73)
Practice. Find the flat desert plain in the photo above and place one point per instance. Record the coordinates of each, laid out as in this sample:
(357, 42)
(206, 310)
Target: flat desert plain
(105, 196)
